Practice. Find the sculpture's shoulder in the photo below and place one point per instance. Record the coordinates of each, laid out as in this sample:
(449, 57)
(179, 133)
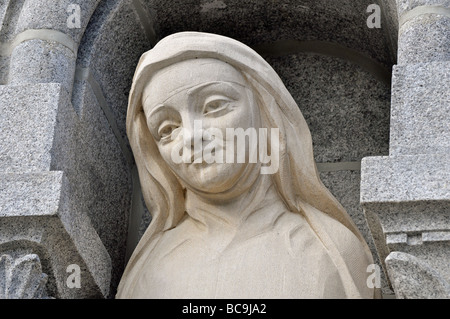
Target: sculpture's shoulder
(298, 230)
(348, 244)
(298, 234)
(354, 252)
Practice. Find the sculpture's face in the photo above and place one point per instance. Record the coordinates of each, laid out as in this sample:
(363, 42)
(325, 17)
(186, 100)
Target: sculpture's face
(189, 106)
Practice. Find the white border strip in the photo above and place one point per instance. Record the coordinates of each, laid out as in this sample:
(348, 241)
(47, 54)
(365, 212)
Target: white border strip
(421, 10)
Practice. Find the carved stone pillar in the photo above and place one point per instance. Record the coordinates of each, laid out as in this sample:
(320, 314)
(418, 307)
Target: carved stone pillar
(39, 213)
(406, 195)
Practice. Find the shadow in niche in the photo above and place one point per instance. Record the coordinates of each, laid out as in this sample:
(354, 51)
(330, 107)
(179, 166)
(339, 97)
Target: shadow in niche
(108, 53)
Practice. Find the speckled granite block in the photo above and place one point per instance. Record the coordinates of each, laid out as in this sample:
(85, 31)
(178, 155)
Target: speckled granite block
(4, 69)
(30, 195)
(111, 52)
(406, 197)
(413, 278)
(40, 14)
(3, 6)
(35, 119)
(407, 5)
(405, 178)
(425, 38)
(346, 109)
(406, 200)
(38, 61)
(42, 132)
(9, 13)
(420, 111)
(101, 179)
(264, 21)
(36, 214)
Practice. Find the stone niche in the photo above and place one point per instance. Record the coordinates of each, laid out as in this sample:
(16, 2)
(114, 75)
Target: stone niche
(69, 191)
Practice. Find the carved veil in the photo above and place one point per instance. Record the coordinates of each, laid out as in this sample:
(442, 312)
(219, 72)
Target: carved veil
(297, 179)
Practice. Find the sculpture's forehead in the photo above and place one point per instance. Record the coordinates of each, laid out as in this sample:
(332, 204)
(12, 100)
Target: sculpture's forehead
(186, 74)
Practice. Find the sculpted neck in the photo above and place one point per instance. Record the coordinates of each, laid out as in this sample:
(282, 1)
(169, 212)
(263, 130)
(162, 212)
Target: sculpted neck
(230, 214)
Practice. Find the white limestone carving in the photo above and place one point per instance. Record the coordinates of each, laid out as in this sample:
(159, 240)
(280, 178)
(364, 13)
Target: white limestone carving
(224, 229)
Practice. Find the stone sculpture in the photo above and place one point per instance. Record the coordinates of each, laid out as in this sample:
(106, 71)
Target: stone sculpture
(22, 277)
(228, 229)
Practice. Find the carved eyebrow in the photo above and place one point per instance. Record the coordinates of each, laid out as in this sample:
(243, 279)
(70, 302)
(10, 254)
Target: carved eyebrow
(201, 86)
(155, 109)
(193, 90)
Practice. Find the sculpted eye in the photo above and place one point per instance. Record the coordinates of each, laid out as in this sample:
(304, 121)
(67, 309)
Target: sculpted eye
(215, 106)
(166, 130)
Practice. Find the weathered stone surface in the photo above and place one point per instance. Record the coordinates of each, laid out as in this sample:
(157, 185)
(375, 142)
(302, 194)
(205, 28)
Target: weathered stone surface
(347, 110)
(101, 179)
(3, 6)
(38, 61)
(36, 212)
(405, 178)
(111, 60)
(345, 186)
(425, 38)
(55, 138)
(105, 68)
(420, 109)
(413, 278)
(9, 14)
(22, 278)
(36, 126)
(406, 201)
(256, 22)
(4, 68)
(45, 14)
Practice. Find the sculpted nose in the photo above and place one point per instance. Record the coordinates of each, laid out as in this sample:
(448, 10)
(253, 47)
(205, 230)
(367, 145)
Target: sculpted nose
(192, 141)
(188, 138)
(192, 131)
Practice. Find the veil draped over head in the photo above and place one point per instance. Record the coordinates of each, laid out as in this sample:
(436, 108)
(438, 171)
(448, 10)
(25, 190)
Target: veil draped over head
(297, 179)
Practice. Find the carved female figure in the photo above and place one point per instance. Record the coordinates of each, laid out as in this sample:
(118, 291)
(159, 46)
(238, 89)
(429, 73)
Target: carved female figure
(224, 229)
